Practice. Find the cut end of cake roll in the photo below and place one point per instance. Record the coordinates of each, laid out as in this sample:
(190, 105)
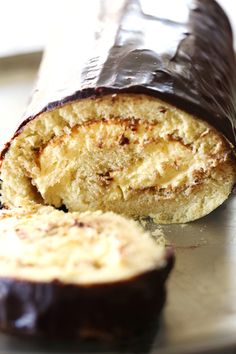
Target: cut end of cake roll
(92, 247)
(128, 153)
(78, 275)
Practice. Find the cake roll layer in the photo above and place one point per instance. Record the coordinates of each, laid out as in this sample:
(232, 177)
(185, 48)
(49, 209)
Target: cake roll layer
(78, 275)
(133, 113)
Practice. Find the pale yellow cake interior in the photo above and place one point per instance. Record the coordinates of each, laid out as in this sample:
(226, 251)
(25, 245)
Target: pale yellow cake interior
(131, 154)
(88, 248)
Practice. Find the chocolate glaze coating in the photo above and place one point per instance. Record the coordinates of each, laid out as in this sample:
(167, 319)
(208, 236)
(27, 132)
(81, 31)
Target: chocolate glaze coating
(180, 52)
(105, 311)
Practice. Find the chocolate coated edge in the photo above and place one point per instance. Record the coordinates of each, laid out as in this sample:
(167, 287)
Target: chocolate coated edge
(109, 310)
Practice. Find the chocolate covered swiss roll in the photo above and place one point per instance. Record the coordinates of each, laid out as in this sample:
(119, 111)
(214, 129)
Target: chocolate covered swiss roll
(133, 113)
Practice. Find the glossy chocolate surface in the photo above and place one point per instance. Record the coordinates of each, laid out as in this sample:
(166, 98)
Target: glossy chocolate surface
(106, 311)
(179, 51)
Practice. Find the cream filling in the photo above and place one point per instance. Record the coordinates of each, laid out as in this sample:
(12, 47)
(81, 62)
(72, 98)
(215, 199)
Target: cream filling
(106, 161)
(81, 249)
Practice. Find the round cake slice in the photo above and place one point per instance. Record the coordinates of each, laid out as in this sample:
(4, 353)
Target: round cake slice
(78, 275)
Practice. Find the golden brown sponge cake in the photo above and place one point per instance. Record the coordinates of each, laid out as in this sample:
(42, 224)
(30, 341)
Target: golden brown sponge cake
(126, 123)
(78, 275)
(131, 154)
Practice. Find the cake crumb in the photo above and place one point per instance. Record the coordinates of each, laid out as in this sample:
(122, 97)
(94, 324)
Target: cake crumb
(157, 233)
(159, 237)
(143, 222)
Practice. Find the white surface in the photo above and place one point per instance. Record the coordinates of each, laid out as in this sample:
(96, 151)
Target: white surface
(230, 8)
(16, 83)
(25, 24)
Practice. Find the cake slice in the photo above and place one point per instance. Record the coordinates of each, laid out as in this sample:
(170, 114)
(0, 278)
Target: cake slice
(79, 275)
